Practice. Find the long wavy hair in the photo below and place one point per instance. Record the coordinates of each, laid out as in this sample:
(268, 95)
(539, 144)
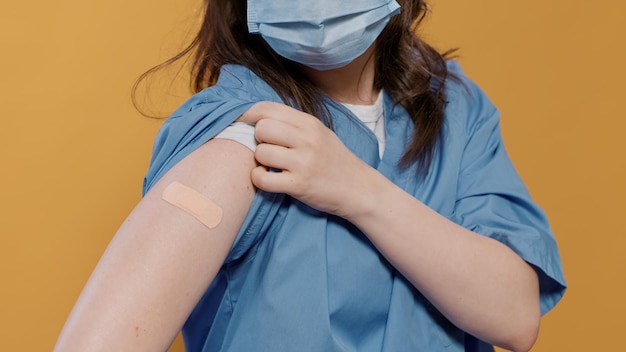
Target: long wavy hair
(411, 71)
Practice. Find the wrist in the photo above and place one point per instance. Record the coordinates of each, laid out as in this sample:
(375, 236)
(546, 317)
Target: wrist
(369, 187)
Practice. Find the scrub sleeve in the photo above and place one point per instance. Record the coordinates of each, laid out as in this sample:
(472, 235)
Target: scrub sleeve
(288, 280)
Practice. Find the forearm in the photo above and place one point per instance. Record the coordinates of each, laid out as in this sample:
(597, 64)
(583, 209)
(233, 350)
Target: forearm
(479, 284)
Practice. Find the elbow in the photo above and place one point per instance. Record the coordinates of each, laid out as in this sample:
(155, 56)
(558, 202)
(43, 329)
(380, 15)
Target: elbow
(523, 339)
(522, 328)
(526, 319)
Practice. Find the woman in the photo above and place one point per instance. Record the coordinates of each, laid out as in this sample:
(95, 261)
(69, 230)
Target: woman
(339, 187)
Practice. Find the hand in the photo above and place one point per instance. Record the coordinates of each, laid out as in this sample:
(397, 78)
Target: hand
(317, 168)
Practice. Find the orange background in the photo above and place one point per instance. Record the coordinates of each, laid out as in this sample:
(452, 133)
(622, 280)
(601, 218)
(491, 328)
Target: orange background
(73, 150)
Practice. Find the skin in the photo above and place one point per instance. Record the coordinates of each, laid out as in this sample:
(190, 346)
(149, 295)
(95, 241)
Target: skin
(479, 284)
(162, 260)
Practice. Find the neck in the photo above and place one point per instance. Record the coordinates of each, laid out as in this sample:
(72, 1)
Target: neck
(352, 84)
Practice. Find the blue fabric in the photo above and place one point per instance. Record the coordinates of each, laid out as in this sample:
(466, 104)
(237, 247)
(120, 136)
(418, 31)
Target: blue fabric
(324, 36)
(297, 279)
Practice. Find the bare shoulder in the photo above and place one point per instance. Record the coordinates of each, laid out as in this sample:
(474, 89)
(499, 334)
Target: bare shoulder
(163, 257)
(217, 168)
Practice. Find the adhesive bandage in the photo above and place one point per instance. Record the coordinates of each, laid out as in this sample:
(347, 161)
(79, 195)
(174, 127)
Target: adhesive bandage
(194, 203)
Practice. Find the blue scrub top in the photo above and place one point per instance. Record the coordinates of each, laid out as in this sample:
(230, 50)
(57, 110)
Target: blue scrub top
(297, 279)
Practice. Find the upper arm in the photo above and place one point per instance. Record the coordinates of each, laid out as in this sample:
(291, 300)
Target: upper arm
(162, 259)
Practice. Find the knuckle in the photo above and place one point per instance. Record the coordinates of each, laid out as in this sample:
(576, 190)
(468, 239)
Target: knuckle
(258, 177)
(266, 129)
(260, 128)
(261, 152)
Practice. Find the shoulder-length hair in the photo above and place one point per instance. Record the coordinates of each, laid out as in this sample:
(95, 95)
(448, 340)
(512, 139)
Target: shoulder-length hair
(411, 71)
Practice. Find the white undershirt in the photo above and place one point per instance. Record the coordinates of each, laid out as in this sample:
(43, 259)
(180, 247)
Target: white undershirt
(371, 115)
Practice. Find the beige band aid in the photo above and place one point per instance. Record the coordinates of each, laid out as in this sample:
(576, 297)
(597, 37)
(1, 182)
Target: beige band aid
(194, 203)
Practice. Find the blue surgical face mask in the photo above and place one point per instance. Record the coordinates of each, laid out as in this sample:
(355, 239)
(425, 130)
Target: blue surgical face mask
(322, 34)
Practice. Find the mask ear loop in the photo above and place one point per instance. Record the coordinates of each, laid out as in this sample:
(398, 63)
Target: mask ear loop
(194, 203)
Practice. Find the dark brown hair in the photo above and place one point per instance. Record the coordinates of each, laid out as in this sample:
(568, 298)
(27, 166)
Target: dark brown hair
(411, 71)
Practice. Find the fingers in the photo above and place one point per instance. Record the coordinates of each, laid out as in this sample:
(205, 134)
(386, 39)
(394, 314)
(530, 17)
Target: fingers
(273, 181)
(282, 125)
(252, 115)
(275, 156)
(276, 132)
(289, 140)
(275, 111)
(262, 110)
